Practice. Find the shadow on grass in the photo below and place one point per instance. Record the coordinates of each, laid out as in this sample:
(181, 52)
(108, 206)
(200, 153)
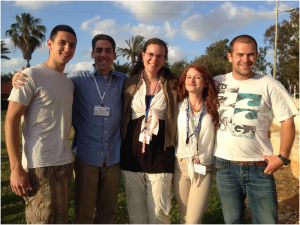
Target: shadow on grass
(13, 218)
(214, 216)
(4, 155)
(12, 208)
(3, 145)
(5, 184)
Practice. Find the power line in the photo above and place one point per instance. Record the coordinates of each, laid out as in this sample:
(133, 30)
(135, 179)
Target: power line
(128, 12)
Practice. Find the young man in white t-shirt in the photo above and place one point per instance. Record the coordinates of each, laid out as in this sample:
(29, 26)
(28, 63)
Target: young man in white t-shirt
(244, 156)
(44, 107)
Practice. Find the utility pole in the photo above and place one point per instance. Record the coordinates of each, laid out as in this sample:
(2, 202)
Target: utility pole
(275, 46)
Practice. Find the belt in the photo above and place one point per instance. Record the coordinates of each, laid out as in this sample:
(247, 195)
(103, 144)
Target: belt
(249, 163)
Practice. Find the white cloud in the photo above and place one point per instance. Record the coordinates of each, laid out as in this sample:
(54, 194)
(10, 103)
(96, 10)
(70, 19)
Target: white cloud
(8, 43)
(171, 31)
(120, 41)
(148, 31)
(43, 48)
(116, 31)
(270, 56)
(194, 53)
(15, 63)
(176, 54)
(79, 66)
(35, 5)
(109, 27)
(85, 52)
(215, 25)
(270, 53)
(86, 25)
(282, 6)
(147, 11)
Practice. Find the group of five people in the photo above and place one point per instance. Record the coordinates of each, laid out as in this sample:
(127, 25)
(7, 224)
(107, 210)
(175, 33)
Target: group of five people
(159, 129)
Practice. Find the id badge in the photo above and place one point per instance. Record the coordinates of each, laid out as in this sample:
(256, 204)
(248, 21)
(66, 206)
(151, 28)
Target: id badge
(200, 169)
(141, 138)
(101, 111)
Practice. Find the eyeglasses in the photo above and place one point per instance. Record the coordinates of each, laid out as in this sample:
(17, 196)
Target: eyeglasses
(151, 55)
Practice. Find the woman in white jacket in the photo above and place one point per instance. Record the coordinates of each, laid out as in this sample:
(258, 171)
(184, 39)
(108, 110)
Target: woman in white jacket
(197, 122)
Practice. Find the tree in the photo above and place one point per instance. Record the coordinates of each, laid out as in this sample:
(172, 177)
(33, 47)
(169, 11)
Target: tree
(261, 62)
(215, 59)
(135, 46)
(166, 64)
(123, 68)
(287, 69)
(6, 77)
(27, 34)
(4, 50)
(178, 67)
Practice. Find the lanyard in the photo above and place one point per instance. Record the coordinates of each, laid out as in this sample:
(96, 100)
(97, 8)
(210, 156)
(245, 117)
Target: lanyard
(187, 122)
(102, 97)
(148, 107)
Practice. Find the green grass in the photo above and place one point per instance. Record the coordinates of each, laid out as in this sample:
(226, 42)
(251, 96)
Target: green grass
(13, 206)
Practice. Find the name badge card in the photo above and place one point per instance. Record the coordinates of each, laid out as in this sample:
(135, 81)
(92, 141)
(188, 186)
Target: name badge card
(101, 111)
(141, 138)
(200, 169)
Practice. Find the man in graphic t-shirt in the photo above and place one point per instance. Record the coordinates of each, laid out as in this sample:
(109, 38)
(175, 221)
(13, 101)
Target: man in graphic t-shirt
(244, 156)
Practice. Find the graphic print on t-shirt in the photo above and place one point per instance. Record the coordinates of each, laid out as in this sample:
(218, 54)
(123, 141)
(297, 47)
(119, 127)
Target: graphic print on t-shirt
(236, 107)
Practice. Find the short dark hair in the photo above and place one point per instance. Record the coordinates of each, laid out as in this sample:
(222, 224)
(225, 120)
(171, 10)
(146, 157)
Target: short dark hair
(61, 28)
(242, 39)
(104, 37)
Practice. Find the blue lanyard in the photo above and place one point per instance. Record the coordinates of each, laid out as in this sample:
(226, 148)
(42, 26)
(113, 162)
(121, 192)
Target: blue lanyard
(148, 107)
(187, 121)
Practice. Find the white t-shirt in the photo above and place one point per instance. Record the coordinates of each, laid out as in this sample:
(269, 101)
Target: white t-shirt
(205, 140)
(247, 109)
(46, 123)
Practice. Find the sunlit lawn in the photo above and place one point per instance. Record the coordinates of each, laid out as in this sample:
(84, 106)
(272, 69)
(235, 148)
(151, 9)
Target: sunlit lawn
(13, 206)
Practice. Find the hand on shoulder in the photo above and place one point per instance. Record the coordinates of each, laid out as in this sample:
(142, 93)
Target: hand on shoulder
(19, 78)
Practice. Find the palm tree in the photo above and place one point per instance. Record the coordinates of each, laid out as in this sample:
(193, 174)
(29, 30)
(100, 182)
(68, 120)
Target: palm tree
(4, 50)
(27, 34)
(135, 46)
(124, 68)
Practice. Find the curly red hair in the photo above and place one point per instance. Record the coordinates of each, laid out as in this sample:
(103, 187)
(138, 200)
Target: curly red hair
(209, 92)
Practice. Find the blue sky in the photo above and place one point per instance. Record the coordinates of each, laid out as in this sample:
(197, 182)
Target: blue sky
(187, 27)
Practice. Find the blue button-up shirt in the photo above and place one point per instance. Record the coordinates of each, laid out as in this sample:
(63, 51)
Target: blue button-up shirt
(97, 137)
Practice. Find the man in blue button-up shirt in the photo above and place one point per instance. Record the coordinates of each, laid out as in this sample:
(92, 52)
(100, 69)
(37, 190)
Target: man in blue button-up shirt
(97, 138)
(96, 118)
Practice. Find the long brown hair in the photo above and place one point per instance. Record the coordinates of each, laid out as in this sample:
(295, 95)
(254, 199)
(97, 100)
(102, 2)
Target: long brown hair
(140, 64)
(209, 92)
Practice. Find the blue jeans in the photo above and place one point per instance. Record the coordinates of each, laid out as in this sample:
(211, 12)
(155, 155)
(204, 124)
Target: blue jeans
(235, 181)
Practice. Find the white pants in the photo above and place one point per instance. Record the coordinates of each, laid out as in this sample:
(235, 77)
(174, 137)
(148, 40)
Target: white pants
(192, 200)
(148, 197)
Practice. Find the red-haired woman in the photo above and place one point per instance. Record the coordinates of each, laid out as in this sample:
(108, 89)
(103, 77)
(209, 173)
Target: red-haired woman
(197, 123)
